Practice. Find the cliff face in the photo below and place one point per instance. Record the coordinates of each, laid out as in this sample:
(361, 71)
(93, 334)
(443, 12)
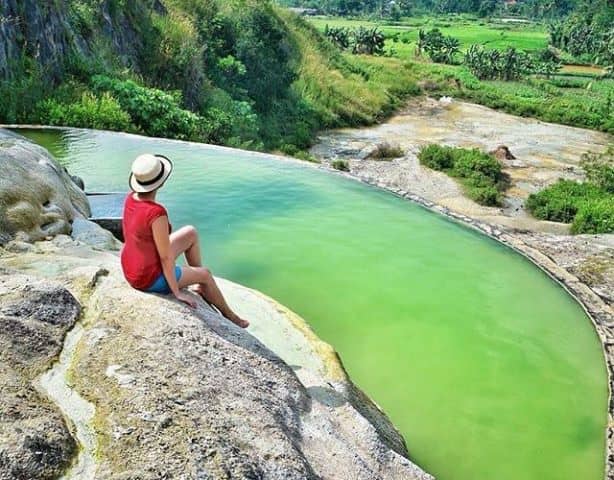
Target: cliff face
(52, 35)
(172, 392)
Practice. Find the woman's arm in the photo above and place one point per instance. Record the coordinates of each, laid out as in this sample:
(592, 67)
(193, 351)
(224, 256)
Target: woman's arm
(159, 228)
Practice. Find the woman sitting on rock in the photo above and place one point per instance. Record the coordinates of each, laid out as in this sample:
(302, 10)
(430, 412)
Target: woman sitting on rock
(150, 249)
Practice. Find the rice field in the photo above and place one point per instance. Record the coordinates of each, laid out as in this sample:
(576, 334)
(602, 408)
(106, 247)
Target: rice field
(402, 37)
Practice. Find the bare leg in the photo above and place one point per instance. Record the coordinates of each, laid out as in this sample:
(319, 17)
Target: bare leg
(185, 240)
(208, 289)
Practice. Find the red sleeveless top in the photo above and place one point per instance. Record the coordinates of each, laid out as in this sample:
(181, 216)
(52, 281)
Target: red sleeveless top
(140, 260)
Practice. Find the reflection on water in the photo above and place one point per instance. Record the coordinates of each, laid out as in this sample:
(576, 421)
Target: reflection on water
(489, 369)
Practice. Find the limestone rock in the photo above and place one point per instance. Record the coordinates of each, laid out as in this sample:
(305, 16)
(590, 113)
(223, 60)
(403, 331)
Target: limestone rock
(35, 442)
(185, 394)
(38, 198)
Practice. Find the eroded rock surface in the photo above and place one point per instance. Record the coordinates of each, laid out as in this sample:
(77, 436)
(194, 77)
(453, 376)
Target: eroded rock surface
(38, 198)
(185, 394)
(35, 442)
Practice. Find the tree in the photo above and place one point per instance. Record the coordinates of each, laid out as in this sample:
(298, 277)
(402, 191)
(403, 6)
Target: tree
(439, 47)
(368, 41)
(339, 36)
(510, 64)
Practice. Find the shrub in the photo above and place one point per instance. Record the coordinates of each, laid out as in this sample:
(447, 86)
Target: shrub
(596, 216)
(599, 168)
(468, 163)
(308, 157)
(386, 151)
(155, 112)
(342, 165)
(485, 195)
(561, 201)
(437, 157)
(103, 113)
(479, 172)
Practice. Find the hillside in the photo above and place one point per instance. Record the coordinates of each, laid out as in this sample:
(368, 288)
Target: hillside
(241, 73)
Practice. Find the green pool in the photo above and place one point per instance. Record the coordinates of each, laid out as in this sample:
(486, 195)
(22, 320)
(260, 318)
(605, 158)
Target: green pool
(489, 369)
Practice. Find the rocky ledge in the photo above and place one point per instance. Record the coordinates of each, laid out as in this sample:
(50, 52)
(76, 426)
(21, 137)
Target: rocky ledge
(102, 381)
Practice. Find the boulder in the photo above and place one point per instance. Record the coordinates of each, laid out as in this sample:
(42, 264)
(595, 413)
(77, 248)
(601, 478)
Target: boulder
(502, 153)
(38, 198)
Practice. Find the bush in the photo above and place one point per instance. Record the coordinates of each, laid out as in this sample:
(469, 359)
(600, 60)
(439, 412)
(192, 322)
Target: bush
(103, 113)
(468, 163)
(386, 151)
(561, 201)
(595, 216)
(155, 112)
(599, 168)
(342, 165)
(479, 172)
(437, 157)
(485, 195)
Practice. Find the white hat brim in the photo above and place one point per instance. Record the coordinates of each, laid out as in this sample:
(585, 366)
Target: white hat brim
(135, 186)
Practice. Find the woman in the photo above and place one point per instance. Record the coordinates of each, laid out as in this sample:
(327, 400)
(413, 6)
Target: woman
(150, 249)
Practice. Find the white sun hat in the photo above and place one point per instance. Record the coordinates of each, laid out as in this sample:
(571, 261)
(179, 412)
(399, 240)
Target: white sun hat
(149, 172)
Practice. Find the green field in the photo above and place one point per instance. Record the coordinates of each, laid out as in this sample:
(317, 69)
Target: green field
(576, 96)
(531, 36)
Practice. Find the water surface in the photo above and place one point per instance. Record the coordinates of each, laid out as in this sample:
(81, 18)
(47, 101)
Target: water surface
(489, 369)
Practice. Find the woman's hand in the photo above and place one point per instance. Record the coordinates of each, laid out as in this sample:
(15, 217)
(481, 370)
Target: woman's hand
(187, 299)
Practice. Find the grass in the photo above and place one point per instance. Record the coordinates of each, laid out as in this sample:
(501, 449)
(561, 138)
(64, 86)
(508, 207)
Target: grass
(344, 89)
(588, 206)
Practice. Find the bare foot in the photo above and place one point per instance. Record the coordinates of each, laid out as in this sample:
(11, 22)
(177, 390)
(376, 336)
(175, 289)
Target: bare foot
(239, 321)
(234, 318)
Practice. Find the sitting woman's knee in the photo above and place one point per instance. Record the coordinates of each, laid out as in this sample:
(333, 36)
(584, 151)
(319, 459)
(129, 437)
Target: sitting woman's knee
(206, 274)
(191, 231)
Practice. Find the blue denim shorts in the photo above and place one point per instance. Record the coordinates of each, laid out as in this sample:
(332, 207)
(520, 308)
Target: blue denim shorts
(160, 285)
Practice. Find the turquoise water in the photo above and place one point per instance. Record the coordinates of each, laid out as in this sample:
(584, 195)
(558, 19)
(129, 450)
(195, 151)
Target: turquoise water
(488, 368)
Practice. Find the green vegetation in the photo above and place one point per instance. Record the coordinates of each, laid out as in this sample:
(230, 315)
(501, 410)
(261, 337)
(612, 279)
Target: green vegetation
(588, 206)
(402, 37)
(240, 73)
(386, 151)
(479, 172)
(90, 111)
(368, 41)
(494, 64)
(507, 66)
(341, 165)
(404, 8)
(580, 102)
(439, 47)
(587, 34)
